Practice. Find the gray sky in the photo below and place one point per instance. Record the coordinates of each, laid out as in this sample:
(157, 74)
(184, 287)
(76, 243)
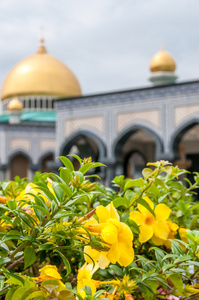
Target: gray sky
(107, 43)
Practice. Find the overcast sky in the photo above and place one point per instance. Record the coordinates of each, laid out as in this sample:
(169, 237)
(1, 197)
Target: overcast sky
(107, 43)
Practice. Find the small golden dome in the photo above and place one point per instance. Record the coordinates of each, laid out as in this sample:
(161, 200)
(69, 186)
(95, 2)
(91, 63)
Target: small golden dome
(15, 104)
(162, 61)
(40, 74)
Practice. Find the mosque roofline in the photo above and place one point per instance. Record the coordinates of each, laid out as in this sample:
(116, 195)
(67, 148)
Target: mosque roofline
(129, 90)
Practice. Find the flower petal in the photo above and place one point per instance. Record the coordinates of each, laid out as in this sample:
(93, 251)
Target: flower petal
(90, 252)
(113, 212)
(157, 241)
(109, 233)
(137, 217)
(102, 213)
(114, 253)
(51, 271)
(103, 260)
(143, 209)
(161, 230)
(126, 255)
(146, 232)
(162, 212)
(125, 235)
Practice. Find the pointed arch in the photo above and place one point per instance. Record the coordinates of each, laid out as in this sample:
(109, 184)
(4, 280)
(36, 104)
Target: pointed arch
(125, 134)
(91, 140)
(179, 132)
(20, 164)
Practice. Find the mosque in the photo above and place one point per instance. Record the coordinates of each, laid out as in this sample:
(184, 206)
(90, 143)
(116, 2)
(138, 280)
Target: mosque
(44, 115)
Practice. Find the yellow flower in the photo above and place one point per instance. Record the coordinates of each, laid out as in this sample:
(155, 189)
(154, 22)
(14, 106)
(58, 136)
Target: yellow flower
(84, 277)
(114, 234)
(173, 227)
(182, 232)
(151, 226)
(49, 272)
(32, 188)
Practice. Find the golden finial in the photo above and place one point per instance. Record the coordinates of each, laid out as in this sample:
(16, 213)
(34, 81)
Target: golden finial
(41, 48)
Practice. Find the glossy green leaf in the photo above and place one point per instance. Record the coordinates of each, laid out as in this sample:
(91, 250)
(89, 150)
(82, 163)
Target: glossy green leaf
(65, 174)
(66, 262)
(134, 182)
(67, 163)
(29, 256)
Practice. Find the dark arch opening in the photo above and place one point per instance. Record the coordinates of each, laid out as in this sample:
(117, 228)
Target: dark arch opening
(185, 146)
(140, 140)
(19, 166)
(84, 144)
(134, 164)
(44, 166)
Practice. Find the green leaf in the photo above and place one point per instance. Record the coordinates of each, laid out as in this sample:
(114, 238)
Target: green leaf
(182, 258)
(89, 166)
(5, 185)
(50, 282)
(18, 293)
(28, 292)
(134, 182)
(25, 219)
(67, 163)
(146, 205)
(29, 256)
(41, 209)
(4, 260)
(116, 270)
(133, 226)
(77, 157)
(88, 290)
(45, 247)
(14, 281)
(65, 174)
(12, 204)
(10, 293)
(36, 294)
(176, 249)
(120, 201)
(11, 275)
(147, 172)
(66, 262)
(12, 237)
(66, 189)
(176, 279)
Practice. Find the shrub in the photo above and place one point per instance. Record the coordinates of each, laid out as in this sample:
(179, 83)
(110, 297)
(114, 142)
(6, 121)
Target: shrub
(65, 237)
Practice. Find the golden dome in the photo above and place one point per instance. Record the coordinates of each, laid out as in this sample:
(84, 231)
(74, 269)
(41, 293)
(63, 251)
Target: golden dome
(162, 61)
(15, 104)
(40, 74)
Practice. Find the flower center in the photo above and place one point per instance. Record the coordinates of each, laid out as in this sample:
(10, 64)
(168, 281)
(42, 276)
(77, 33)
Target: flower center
(149, 220)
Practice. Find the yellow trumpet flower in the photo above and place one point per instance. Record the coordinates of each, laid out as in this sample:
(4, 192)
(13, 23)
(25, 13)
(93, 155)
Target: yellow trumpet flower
(151, 226)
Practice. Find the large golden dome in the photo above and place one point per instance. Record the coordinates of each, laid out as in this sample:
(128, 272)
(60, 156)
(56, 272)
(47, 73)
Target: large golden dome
(40, 74)
(162, 61)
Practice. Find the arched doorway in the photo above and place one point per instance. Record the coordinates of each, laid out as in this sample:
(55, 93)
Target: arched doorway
(135, 163)
(44, 167)
(84, 144)
(186, 148)
(134, 148)
(19, 166)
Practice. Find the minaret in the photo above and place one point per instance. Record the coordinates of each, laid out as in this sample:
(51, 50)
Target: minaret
(162, 68)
